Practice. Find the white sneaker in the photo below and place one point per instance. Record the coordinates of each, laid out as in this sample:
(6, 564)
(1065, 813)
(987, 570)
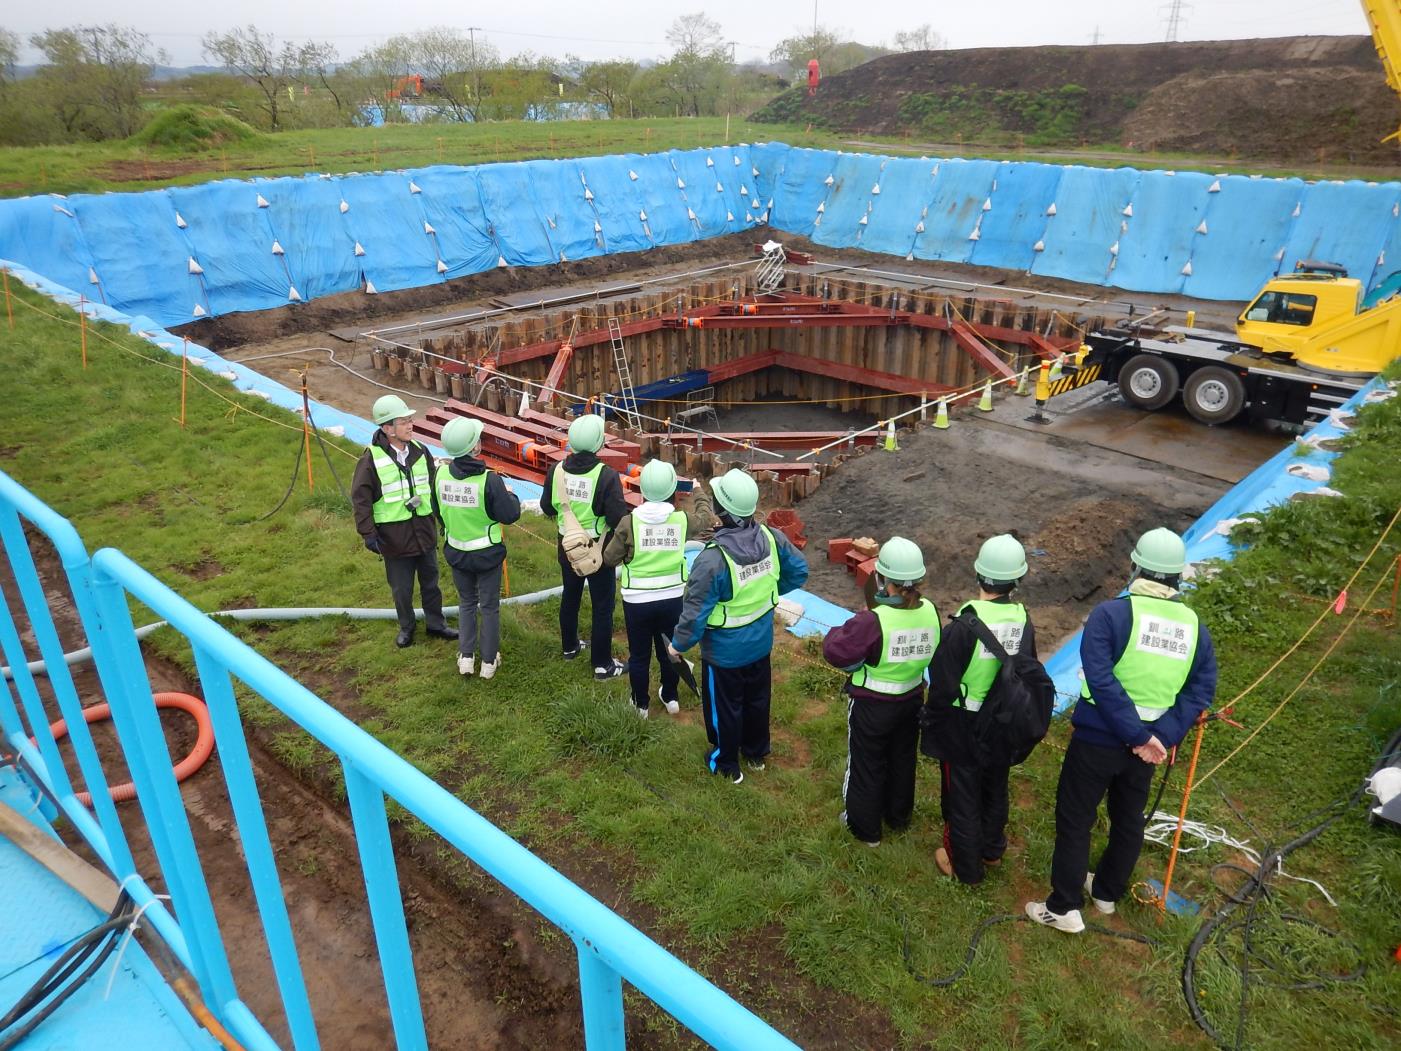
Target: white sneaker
(464, 667)
(642, 713)
(1069, 922)
(1105, 907)
(488, 670)
(672, 707)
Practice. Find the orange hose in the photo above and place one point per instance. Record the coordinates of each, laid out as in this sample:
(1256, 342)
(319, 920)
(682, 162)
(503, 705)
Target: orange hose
(1182, 815)
(199, 754)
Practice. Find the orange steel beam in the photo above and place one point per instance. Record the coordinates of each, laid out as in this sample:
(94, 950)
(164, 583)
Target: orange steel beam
(556, 373)
(978, 349)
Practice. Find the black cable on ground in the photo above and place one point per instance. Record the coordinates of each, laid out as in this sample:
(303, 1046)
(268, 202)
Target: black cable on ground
(58, 983)
(296, 470)
(1162, 784)
(326, 452)
(983, 928)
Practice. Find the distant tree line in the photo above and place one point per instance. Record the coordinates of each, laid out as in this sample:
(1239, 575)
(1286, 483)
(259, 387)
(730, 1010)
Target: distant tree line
(95, 81)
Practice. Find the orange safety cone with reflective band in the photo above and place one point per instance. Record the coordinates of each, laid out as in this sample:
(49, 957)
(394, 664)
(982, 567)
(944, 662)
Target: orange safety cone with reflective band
(985, 402)
(890, 443)
(941, 416)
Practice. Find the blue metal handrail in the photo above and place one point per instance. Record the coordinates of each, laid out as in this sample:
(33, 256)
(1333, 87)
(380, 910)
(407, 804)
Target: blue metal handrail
(609, 948)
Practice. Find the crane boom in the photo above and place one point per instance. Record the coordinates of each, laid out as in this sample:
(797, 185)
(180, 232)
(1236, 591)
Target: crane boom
(1384, 16)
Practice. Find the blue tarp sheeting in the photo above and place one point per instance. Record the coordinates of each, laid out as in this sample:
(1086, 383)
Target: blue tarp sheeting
(1343, 222)
(1089, 219)
(1164, 231)
(1010, 230)
(141, 255)
(962, 189)
(1248, 222)
(385, 219)
(233, 241)
(532, 213)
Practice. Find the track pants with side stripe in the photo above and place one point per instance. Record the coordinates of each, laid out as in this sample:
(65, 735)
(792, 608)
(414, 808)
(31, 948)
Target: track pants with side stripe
(882, 744)
(735, 703)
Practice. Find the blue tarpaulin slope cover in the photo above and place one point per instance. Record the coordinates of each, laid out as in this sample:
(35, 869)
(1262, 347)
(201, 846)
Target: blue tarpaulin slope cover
(179, 254)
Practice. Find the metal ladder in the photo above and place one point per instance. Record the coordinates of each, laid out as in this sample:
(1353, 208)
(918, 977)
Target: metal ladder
(768, 276)
(626, 405)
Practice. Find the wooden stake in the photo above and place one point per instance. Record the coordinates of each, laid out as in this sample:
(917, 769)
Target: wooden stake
(83, 327)
(506, 576)
(1182, 814)
(9, 307)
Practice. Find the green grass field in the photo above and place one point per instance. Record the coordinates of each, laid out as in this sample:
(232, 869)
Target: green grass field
(758, 885)
(129, 165)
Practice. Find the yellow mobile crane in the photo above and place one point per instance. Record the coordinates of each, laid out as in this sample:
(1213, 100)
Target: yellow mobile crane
(1384, 16)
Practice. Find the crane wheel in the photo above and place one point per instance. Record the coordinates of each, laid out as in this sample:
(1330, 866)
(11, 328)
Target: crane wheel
(1148, 381)
(1214, 395)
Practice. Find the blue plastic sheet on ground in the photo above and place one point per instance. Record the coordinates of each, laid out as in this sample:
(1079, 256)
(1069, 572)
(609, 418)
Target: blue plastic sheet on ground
(617, 203)
(232, 239)
(1009, 232)
(1345, 223)
(43, 234)
(1163, 232)
(962, 193)
(802, 186)
(1248, 222)
(452, 203)
(384, 218)
(1272, 483)
(319, 251)
(1089, 219)
(141, 255)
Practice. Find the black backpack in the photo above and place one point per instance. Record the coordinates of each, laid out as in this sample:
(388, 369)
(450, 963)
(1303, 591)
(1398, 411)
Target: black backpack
(1017, 710)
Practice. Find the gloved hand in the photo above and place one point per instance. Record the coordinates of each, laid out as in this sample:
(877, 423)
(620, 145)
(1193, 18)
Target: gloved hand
(372, 544)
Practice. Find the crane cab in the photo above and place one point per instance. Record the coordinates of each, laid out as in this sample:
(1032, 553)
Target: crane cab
(1286, 315)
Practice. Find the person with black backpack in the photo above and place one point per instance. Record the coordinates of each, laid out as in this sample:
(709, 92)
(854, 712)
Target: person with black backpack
(989, 703)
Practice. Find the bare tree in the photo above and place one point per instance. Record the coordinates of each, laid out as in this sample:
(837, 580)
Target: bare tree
(697, 35)
(920, 38)
(94, 77)
(271, 65)
(9, 55)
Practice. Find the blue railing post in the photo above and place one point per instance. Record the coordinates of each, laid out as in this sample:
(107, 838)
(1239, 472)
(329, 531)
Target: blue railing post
(386, 907)
(257, 848)
(123, 673)
(601, 991)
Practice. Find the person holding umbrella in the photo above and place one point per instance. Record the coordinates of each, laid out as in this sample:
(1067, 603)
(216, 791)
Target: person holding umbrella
(649, 549)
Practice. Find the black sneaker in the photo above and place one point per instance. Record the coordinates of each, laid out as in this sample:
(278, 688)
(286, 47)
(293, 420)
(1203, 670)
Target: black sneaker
(610, 671)
(569, 655)
(737, 778)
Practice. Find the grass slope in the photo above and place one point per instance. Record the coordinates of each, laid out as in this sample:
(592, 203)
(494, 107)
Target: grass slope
(758, 885)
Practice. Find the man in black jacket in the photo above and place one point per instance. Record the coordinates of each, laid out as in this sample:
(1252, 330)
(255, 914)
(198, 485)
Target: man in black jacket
(973, 779)
(594, 492)
(392, 497)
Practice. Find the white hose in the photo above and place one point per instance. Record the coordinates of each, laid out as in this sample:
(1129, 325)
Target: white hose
(83, 655)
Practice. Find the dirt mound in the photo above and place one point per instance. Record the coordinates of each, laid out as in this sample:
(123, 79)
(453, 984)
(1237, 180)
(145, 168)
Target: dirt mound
(1068, 96)
(1198, 112)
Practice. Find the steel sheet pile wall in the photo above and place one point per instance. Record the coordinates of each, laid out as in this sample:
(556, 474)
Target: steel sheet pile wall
(182, 253)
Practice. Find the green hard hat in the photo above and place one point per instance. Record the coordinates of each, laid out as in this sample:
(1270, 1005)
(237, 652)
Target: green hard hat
(900, 560)
(736, 492)
(1001, 559)
(461, 435)
(658, 480)
(586, 434)
(390, 407)
(1161, 551)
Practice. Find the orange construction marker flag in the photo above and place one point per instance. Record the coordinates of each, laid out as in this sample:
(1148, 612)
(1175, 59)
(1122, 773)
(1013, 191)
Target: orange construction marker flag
(1341, 603)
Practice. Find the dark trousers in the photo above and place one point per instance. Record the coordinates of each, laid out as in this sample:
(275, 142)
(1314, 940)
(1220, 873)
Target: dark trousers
(650, 625)
(1087, 775)
(400, 572)
(973, 801)
(735, 704)
(601, 586)
(479, 599)
(882, 744)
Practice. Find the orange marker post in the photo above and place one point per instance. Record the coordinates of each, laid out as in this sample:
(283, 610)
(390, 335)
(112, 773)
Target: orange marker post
(1182, 815)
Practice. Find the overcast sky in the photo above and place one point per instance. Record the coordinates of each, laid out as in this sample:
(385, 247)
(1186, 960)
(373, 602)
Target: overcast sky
(628, 28)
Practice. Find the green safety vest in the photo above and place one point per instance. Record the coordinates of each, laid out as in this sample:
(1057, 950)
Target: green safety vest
(754, 588)
(658, 554)
(908, 639)
(578, 490)
(1158, 658)
(462, 502)
(394, 488)
(1006, 620)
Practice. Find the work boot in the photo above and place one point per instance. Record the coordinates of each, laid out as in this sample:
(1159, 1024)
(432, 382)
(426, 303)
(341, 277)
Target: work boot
(1069, 922)
(1105, 907)
(443, 633)
(404, 638)
(464, 666)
